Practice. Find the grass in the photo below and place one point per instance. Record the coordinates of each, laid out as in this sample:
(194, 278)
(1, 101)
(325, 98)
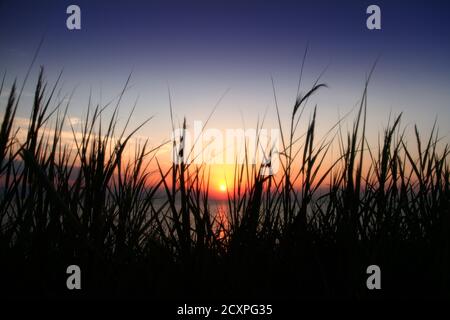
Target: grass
(310, 231)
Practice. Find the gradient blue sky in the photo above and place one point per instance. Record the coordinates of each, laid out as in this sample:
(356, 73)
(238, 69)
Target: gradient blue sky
(202, 48)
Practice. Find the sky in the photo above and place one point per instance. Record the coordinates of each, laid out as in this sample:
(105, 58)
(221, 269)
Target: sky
(203, 50)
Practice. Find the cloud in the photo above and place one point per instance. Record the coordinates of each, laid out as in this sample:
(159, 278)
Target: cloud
(74, 121)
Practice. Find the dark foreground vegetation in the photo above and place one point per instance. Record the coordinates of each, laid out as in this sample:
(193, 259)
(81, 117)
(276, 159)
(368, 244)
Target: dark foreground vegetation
(309, 232)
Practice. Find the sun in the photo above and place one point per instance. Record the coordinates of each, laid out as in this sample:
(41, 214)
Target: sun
(222, 187)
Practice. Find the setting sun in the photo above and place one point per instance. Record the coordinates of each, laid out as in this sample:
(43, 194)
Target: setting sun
(222, 187)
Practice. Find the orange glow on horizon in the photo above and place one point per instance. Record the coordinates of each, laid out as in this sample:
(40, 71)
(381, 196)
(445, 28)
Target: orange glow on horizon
(221, 180)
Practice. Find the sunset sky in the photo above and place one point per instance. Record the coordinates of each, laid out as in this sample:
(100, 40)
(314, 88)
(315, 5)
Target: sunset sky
(201, 49)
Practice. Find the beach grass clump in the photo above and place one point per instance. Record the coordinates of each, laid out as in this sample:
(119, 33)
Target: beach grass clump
(138, 227)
